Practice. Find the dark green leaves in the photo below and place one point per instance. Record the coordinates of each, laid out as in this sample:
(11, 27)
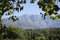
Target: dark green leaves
(59, 0)
(50, 12)
(24, 1)
(10, 12)
(13, 18)
(21, 1)
(56, 8)
(39, 4)
(21, 8)
(49, 7)
(13, 0)
(17, 8)
(45, 1)
(53, 17)
(18, 2)
(55, 13)
(32, 1)
(58, 15)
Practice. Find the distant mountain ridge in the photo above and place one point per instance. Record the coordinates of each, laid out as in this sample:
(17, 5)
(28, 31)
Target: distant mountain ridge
(32, 22)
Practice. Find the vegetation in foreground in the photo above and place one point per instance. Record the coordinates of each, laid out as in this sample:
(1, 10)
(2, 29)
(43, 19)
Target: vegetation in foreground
(16, 33)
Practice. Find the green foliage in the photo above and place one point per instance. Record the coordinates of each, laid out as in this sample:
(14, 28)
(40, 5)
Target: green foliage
(42, 34)
(16, 30)
(49, 7)
(32, 1)
(7, 5)
(13, 32)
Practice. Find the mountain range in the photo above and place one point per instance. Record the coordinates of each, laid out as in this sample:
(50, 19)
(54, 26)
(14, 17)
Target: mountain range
(33, 22)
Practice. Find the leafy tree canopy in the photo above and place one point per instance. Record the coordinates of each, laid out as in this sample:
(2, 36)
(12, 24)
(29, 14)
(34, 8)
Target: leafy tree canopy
(49, 6)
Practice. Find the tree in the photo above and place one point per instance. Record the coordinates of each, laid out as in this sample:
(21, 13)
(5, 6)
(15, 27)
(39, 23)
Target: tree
(15, 33)
(48, 6)
(7, 5)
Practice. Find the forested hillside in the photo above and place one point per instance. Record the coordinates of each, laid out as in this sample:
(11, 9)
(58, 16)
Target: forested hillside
(16, 33)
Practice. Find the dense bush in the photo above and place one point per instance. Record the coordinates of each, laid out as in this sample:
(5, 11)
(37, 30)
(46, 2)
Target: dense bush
(31, 34)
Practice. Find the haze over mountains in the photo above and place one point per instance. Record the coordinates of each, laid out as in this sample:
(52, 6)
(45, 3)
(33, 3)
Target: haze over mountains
(33, 22)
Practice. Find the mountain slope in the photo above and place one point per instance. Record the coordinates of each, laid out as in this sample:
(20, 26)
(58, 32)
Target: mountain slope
(33, 22)
(28, 22)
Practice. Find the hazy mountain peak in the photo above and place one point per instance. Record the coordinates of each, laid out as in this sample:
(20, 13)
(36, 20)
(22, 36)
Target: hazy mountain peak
(33, 22)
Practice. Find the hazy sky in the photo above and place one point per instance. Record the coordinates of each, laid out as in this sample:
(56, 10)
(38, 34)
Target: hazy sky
(29, 9)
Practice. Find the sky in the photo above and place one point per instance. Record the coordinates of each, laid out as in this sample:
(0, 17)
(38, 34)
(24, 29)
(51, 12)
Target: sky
(28, 9)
